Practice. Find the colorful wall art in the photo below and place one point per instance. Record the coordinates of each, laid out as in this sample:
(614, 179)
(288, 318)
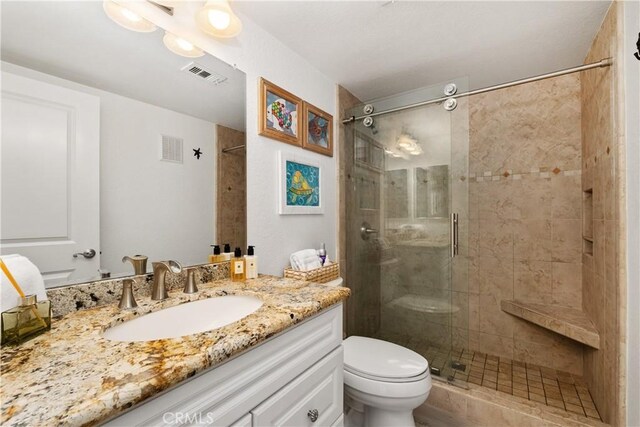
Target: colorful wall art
(280, 114)
(300, 185)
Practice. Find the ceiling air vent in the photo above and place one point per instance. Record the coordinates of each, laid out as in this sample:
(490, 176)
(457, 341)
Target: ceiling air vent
(171, 149)
(203, 73)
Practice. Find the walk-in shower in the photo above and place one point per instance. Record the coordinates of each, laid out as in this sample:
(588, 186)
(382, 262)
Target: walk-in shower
(405, 185)
(445, 190)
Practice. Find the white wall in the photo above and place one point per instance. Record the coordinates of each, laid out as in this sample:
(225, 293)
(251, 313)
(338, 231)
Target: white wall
(160, 209)
(147, 206)
(632, 132)
(259, 54)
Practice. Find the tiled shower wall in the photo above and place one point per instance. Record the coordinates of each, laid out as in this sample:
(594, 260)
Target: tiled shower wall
(231, 205)
(525, 217)
(361, 268)
(601, 151)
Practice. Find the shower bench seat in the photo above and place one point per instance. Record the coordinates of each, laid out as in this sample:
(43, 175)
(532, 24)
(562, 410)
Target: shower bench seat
(569, 322)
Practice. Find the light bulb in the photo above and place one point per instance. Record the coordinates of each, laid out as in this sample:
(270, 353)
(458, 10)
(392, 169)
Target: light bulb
(127, 18)
(184, 44)
(180, 46)
(218, 19)
(130, 15)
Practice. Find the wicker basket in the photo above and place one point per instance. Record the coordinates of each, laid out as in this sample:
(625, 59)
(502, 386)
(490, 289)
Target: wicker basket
(323, 274)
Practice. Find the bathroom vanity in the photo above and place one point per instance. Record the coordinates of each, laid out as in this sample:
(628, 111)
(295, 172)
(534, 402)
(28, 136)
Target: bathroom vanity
(280, 365)
(293, 379)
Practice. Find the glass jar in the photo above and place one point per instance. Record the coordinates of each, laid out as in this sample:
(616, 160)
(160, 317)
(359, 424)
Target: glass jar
(29, 319)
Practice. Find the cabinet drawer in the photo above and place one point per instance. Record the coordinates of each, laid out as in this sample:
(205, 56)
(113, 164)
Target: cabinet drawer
(243, 422)
(317, 389)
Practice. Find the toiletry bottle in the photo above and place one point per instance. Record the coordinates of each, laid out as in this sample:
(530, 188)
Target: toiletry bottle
(251, 263)
(217, 256)
(322, 253)
(227, 252)
(237, 266)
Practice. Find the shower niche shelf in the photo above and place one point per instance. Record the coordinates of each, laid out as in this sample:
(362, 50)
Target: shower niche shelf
(569, 322)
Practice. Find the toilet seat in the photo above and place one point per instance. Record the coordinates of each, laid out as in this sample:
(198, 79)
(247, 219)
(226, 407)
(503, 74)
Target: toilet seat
(385, 379)
(382, 360)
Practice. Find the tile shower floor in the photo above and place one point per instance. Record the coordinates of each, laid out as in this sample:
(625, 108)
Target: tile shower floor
(537, 383)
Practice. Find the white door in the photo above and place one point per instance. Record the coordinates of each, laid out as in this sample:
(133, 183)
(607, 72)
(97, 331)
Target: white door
(50, 195)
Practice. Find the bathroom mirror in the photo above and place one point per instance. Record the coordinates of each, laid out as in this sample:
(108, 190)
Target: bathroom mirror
(113, 144)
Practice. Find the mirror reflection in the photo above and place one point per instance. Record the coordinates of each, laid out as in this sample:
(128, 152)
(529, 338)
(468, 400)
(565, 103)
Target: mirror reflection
(113, 145)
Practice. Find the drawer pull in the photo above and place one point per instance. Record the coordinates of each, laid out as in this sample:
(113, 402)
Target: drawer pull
(313, 415)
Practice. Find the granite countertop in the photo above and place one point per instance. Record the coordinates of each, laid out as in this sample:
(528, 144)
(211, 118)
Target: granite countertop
(71, 375)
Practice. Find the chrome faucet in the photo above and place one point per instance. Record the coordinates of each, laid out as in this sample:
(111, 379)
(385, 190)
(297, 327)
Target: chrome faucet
(159, 291)
(139, 263)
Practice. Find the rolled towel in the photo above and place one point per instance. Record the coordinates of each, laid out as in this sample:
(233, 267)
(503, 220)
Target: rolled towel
(305, 260)
(28, 277)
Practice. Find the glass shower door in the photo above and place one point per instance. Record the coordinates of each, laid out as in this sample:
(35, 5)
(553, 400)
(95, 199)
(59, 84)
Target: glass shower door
(408, 176)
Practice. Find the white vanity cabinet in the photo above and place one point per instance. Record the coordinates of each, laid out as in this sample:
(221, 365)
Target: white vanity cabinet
(292, 379)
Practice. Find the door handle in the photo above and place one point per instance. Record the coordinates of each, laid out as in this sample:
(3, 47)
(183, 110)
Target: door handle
(88, 253)
(366, 230)
(454, 234)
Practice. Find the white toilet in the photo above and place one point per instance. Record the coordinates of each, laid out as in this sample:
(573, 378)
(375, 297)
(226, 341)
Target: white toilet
(383, 383)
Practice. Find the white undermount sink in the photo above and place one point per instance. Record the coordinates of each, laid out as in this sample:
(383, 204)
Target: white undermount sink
(185, 319)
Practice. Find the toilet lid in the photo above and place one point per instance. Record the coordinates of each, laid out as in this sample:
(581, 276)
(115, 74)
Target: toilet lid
(382, 359)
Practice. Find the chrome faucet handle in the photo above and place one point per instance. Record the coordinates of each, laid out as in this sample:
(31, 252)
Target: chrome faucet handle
(139, 263)
(127, 301)
(190, 286)
(160, 268)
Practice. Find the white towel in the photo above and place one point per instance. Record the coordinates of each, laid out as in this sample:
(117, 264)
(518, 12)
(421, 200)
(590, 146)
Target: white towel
(28, 277)
(305, 260)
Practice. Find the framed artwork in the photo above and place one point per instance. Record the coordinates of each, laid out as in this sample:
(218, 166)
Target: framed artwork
(280, 114)
(300, 182)
(318, 130)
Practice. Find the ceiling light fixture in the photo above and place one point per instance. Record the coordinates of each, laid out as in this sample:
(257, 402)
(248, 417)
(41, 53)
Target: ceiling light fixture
(126, 18)
(181, 46)
(217, 19)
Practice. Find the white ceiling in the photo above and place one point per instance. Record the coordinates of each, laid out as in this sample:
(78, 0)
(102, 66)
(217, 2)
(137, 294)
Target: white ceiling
(381, 48)
(76, 41)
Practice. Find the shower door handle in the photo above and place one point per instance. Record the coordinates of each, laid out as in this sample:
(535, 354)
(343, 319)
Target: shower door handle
(454, 234)
(366, 230)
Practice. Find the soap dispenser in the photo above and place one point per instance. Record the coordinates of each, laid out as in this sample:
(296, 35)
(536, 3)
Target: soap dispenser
(237, 266)
(227, 252)
(251, 263)
(217, 256)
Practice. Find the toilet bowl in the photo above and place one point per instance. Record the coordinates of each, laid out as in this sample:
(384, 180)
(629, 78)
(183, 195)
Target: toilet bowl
(383, 383)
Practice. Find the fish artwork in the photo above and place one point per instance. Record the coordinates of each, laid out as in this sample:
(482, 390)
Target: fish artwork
(302, 185)
(318, 128)
(281, 118)
(299, 187)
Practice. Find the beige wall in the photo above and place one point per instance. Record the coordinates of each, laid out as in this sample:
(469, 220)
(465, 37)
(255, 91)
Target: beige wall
(525, 217)
(231, 205)
(601, 150)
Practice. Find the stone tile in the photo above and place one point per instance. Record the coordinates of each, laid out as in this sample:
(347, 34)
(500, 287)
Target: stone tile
(495, 238)
(555, 403)
(495, 277)
(493, 320)
(532, 240)
(567, 284)
(566, 197)
(501, 346)
(537, 398)
(575, 409)
(532, 199)
(532, 281)
(566, 240)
